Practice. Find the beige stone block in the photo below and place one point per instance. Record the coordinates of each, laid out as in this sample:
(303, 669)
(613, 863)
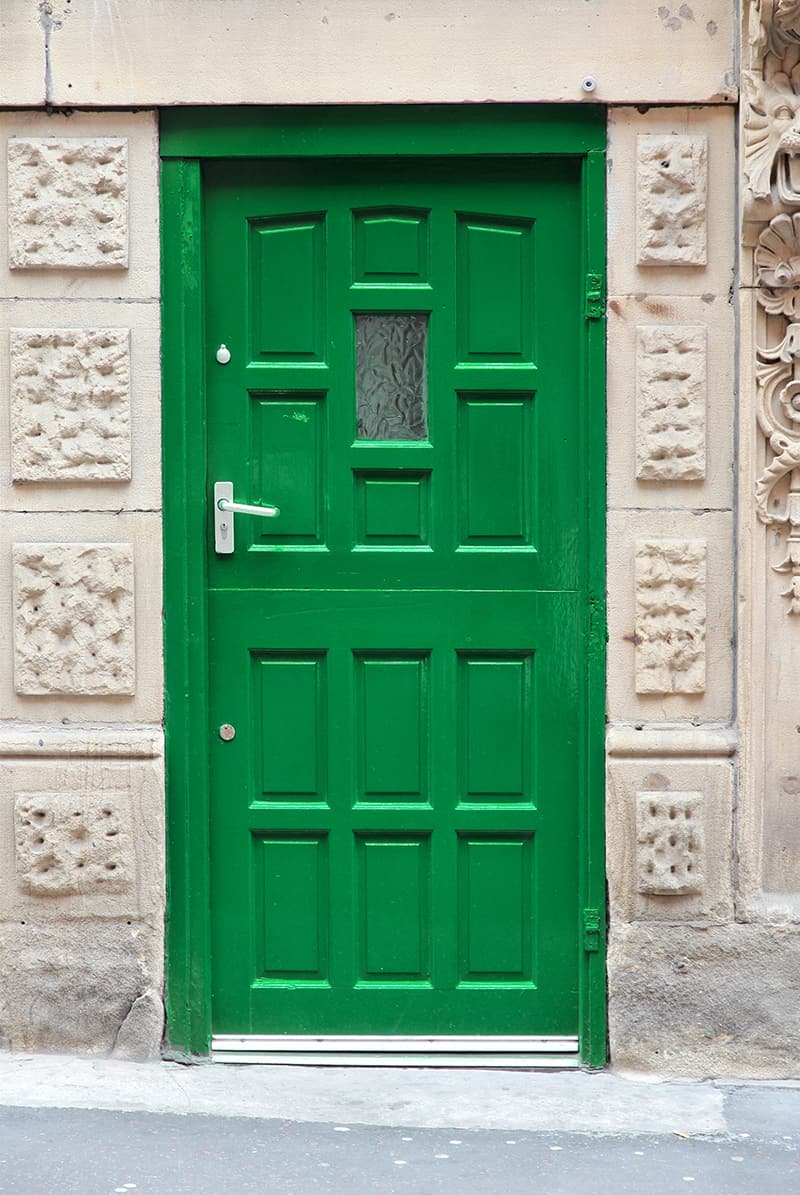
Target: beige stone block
(68, 203)
(70, 404)
(671, 200)
(704, 1000)
(81, 838)
(71, 685)
(627, 645)
(670, 402)
(671, 268)
(670, 838)
(354, 51)
(670, 635)
(73, 987)
(73, 619)
(88, 373)
(63, 266)
(22, 73)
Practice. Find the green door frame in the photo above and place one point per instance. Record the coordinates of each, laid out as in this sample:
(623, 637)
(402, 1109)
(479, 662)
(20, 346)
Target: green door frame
(188, 136)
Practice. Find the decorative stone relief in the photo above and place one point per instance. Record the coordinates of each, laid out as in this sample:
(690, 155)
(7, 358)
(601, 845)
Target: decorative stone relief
(671, 402)
(73, 619)
(670, 633)
(669, 843)
(778, 485)
(772, 169)
(68, 203)
(772, 140)
(671, 199)
(77, 843)
(70, 418)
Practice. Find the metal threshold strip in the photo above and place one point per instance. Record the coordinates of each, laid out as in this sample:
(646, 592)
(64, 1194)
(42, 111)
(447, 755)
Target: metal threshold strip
(531, 1053)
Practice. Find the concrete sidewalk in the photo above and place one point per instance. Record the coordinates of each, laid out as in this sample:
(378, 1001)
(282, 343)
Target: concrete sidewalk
(91, 1127)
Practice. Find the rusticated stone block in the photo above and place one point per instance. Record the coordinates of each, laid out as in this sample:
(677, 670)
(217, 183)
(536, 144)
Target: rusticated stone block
(671, 200)
(670, 633)
(671, 402)
(705, 1001)
(71, 987)
(70, 417)
(77, 843)
(68, 203)
(73, 619)
(669, 838)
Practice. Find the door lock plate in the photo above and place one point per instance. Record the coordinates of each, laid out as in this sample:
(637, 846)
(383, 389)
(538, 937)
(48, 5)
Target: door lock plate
(223, 519)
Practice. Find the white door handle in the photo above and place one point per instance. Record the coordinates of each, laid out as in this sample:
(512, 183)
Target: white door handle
(224, 510)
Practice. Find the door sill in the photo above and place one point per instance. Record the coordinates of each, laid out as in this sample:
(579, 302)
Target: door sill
(531, 1053)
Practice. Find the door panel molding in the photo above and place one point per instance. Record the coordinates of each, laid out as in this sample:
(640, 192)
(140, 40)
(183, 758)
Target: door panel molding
(189, 136)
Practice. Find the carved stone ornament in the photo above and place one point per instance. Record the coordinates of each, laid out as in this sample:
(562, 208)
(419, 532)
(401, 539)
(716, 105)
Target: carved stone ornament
(772, 94)
(772, 166)
(777, 262)
(778, 502)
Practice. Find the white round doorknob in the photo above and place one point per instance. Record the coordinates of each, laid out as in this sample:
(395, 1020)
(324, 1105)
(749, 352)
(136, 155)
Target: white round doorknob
(223, 354)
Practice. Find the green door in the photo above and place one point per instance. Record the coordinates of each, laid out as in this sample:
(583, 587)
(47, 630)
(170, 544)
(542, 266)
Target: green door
(395, 831)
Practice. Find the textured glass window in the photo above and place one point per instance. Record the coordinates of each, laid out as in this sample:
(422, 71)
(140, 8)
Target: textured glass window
(392, 376)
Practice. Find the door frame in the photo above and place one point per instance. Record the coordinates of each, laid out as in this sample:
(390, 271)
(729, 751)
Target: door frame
(187, 137)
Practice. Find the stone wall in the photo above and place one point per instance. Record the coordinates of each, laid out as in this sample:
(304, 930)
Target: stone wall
(81, 768)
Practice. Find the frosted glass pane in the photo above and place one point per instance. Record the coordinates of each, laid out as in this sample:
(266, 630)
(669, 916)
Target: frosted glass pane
(391, 377)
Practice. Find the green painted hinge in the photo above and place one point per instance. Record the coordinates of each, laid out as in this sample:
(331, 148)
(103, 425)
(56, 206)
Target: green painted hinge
(591, 930)
(595, 296)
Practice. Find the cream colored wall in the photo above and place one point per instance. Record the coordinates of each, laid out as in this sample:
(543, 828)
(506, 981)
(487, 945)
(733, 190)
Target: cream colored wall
(68, 52)
(701, 674)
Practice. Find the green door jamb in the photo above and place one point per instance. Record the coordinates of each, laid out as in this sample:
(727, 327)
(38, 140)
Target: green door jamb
(189, 135)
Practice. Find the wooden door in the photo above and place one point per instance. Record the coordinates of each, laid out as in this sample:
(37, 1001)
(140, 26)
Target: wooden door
(395, 834)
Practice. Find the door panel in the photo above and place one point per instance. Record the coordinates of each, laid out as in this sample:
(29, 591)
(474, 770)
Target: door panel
(394, 835)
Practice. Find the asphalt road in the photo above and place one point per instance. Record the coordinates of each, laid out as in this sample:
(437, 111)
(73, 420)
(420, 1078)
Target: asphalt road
(734, 1139)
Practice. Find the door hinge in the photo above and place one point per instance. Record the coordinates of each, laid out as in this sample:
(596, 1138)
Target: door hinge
(591, 930)
(595, 296)
(598, 628)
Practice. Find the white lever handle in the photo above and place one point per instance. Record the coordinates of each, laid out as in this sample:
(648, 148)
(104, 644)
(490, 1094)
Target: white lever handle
(224, 510)
(242, 508)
